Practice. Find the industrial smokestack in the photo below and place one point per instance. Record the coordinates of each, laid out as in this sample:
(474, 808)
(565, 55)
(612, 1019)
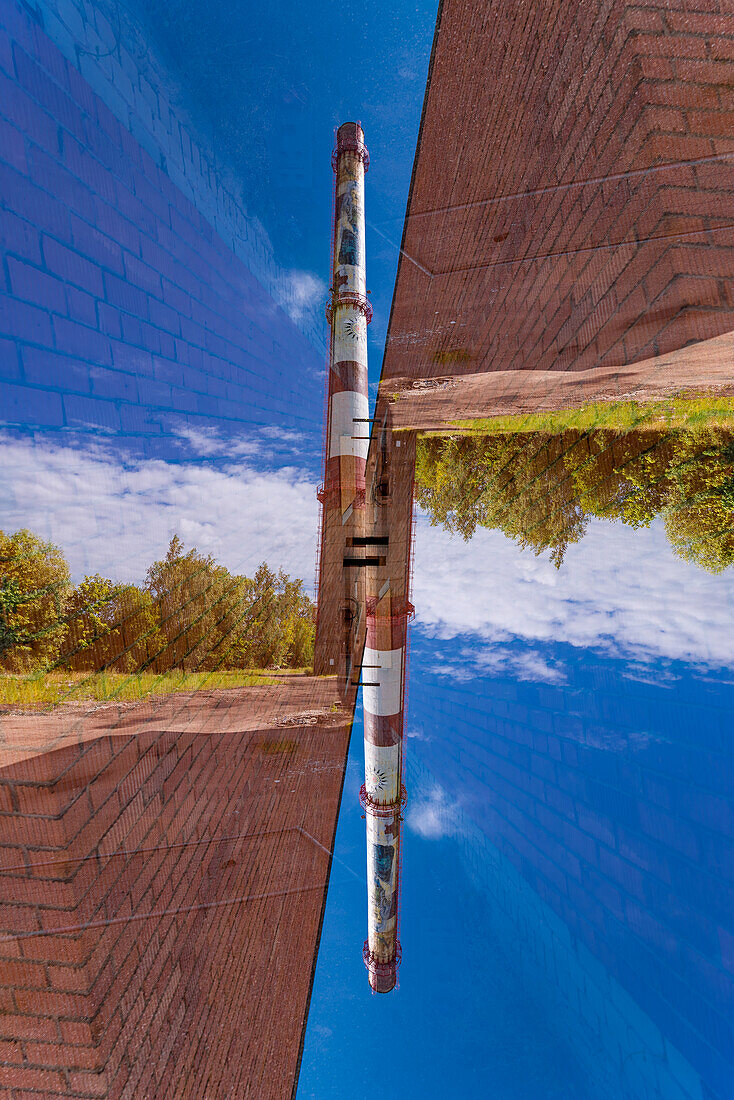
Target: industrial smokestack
(354, 582)
(383, 794)
(349, 313)
(341, 582)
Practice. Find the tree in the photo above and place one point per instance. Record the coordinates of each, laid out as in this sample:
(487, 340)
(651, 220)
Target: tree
(34, 584)
(542, 489)
(110, 626)
(515, 483)
(188, 590)
(699, 513)
(280, 631)
(191, 614)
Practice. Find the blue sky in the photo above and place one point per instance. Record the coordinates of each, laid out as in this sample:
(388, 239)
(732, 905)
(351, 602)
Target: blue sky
(463, 1021)
(492, 624)
(301, 71)
(647, 702)
(245, 490)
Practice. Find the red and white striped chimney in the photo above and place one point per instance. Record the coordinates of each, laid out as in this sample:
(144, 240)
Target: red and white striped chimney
(383, 795)
(349, 313)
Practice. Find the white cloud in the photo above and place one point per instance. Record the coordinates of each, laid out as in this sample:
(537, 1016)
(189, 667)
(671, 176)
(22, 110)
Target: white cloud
(264, 442)
(620, 590)
(521, 666)
(303, 293)
(435, 816)
(210, 443)
(418, 733)
(287, 437)
(115, 517)
(500, 660)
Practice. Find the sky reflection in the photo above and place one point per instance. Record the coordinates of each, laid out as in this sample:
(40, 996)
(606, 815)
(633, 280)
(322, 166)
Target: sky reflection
(565, 903)
(567, 893)
(464, 1016)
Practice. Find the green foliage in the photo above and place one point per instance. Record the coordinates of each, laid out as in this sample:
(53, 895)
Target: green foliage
(699, 516)
(110, 626)
(679, 412)
(541, 489)
(191, 594)
(191, 615)
(517, 484)
(11, 599)
(34, 585)
(208, 618)
(52, 688)
(282, 633)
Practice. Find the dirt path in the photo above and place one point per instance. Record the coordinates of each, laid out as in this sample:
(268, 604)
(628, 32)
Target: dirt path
(704, 367)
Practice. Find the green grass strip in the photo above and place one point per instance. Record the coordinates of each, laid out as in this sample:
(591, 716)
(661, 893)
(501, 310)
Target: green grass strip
(674, 412)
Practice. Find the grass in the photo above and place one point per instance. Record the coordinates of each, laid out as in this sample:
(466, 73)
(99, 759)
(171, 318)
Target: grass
(675, 412)
(50, 689)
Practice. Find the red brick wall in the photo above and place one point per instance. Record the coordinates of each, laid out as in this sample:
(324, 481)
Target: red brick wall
(572, 198)
(162, 876)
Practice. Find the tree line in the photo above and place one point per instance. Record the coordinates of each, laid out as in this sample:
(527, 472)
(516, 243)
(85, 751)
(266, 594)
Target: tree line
(542, 489)
(190, 613)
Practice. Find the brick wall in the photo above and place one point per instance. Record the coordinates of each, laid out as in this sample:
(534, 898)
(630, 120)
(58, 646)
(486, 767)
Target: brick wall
(572, 200)
(162, 876)
(615, 1048)
(121, 309)
(612, 800)
(162, 871)
(114, 48)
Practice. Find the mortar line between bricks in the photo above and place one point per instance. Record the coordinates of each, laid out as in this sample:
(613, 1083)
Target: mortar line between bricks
(104, 923)
(185, 909)
(580, 251)
(278, 930)
(251, 875)
(162, 913)
(154, 848)
(164, 937)
(558, 187)
(253, 871)
(544, 255)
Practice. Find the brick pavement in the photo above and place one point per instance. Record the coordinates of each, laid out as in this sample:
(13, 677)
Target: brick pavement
(705, 367)
(163, 870)
(571, 204)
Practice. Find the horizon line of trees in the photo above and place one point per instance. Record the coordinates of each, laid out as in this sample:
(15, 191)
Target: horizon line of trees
(542, 489)
(190, 614)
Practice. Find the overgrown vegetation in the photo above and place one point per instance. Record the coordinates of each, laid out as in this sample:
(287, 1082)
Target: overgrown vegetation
(51, 688)
(688, 413)
(541, 489)
(190, 621)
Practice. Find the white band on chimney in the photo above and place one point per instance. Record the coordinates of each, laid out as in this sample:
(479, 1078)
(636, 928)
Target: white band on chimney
(382, 771)
(348, 408)
(350, 335)
(383, 668)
